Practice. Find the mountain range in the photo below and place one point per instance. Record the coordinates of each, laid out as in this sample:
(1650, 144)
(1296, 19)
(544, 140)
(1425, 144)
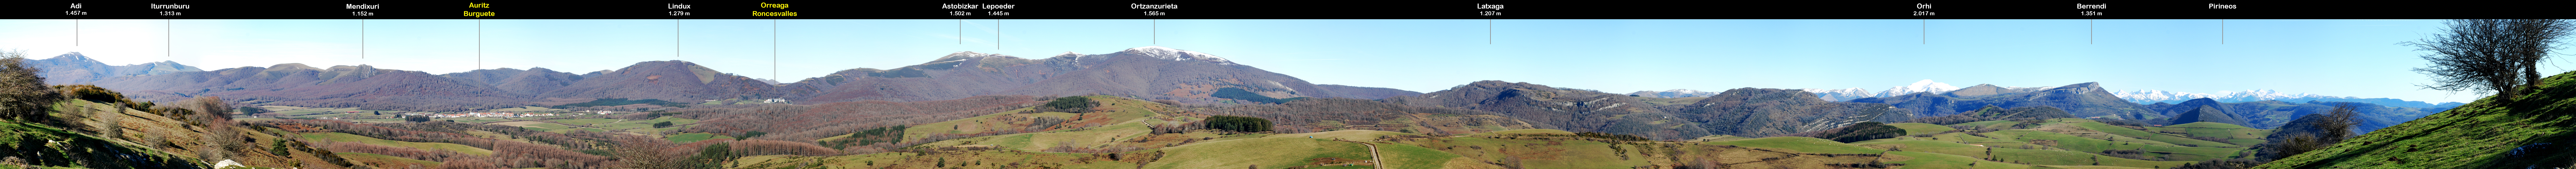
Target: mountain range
(2081, 99)
(74, 68)
(1918, 87)
(1675, 93)
(2156, 96)
(1755, 112)
(1151, 72)
(1551, 108)
(2270, 114)
(1841, 94)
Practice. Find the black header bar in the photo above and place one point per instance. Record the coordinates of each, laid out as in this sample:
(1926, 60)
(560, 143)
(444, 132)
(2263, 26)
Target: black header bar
(1249, 10)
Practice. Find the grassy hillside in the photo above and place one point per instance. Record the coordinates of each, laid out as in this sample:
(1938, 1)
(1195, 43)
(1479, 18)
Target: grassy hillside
(1527, 149)
(1801, 145)
(1114, 120)
(2483, 134)
(1716, 138)
(1921, 128)
(1116, 136)
(70, 149)
(346, 137)
(1347, 134)
(1401, 156)
(87, 134)
(1274, 152)
(1523, 131)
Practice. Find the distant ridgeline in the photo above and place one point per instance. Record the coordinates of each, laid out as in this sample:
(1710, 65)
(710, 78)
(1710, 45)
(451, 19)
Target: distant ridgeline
(2171, 97)
(1169, 74)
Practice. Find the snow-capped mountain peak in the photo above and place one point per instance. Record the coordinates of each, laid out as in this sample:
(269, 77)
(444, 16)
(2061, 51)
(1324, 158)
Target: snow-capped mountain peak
(2263, 93)
(2152, 96)
(1161, 52)
(1919, 86)
(966, 55)
(1840, 94)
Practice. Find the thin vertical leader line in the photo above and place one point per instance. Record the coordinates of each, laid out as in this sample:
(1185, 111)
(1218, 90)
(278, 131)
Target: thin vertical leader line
(76, 32)
(675, 38)
(773, 49)
(1927, 31)
(362, 38)
(165, 38)
(997, 34)
(2222, 31)
(478, 44)
(2088, 31)
(1489, 31)
(961, 31)
(1156, 30)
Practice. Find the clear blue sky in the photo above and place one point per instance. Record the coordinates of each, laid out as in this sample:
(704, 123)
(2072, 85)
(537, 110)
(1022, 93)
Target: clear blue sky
(2329, 57)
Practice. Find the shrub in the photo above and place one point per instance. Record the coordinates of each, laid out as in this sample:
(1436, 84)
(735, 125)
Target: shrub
(1863, 131)
(277, 148)
(2213, 139)
(247, 110)
(662, 124)
(1072, 104)
(91, 93)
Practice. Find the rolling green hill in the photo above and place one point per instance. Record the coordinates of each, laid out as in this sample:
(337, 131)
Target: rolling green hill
(1921, 128)
(346, 137)
(2495, 132)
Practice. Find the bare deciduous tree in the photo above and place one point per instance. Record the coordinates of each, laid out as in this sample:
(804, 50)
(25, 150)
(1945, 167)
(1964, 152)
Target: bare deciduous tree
(2490, 56)
(2336, 124)
(640, 152)
(23, 94)
(214, 107)
(2332, 126)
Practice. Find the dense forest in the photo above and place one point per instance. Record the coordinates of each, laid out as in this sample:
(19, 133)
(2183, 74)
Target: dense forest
(1315, 115)
(1857, 132)
(1238, 123)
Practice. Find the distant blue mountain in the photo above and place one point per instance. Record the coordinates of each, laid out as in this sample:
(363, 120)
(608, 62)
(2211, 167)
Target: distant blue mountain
(2172, 97)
